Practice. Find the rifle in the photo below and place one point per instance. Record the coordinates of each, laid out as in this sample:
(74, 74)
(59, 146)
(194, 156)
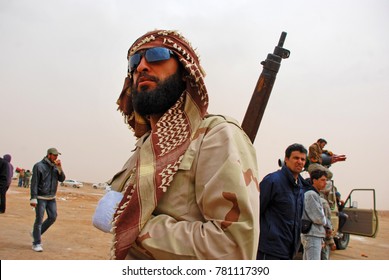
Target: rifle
(261, 94)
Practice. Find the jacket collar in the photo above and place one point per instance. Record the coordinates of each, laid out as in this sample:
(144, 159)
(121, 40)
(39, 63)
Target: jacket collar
(289, 175)
(47, 161)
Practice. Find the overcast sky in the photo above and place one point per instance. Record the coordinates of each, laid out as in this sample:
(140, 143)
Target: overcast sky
(63, 63)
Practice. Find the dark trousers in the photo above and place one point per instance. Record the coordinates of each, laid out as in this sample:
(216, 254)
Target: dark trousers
(40, 226)
(3, 192)
(342, 220)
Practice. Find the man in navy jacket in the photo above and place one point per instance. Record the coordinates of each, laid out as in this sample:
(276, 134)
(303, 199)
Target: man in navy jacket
(281, 208)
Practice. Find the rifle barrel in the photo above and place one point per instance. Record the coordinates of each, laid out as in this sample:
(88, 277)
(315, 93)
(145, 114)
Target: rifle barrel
(262, 91)
(282, 39)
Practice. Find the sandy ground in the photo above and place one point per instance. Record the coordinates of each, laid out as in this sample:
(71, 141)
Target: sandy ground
(73, 237)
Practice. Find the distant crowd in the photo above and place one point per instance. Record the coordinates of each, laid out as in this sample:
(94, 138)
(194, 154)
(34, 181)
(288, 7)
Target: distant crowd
(7, 175)
(24, 177)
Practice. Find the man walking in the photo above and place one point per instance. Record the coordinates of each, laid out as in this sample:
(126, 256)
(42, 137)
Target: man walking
(45, 177)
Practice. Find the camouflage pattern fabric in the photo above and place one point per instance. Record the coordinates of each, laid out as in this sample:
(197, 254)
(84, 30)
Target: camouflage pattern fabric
(211, 208)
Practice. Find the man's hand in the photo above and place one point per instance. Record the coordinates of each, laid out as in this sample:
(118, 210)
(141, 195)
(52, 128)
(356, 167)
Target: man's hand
(59, 165)
(329, 232)
(33, 202)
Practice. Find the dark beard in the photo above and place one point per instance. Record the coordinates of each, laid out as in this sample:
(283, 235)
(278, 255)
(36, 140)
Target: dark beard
(161, 98)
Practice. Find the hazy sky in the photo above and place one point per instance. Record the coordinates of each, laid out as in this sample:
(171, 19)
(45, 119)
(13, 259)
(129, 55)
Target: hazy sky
(63, 63)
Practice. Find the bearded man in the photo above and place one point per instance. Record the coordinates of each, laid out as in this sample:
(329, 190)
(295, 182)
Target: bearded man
(190, 188)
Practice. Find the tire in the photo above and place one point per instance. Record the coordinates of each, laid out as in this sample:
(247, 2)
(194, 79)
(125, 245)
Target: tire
(62, 184)
(74, 186)
(342, 243)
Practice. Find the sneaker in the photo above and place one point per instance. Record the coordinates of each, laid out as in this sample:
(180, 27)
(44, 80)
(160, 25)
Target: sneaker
(37, 248)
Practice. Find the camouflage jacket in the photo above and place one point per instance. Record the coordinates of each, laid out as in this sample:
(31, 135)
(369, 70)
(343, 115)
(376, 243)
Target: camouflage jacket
(211, 208)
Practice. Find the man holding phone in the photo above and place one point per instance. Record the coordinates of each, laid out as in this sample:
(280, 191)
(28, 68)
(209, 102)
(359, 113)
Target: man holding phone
(44, 182)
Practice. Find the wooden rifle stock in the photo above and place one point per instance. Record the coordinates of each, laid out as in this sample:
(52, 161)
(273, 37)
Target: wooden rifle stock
(261, 94)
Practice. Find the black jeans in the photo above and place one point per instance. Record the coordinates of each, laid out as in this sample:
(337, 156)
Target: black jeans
(50, 206)
(3, 192)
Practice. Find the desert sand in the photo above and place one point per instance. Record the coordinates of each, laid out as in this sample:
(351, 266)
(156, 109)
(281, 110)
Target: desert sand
(73, 237)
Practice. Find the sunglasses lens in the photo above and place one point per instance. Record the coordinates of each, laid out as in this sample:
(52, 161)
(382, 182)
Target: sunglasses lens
(151, 55)
(157, 54)
(134, 61)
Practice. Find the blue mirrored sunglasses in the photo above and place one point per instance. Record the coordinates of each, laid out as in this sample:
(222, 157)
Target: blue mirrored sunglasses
(151, 55)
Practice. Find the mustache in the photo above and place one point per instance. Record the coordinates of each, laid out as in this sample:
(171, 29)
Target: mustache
(146, 76)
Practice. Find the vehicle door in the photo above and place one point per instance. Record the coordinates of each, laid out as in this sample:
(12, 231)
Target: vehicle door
(360, 206)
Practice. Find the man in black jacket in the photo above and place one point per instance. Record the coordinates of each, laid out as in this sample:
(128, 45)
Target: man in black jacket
(45, 177)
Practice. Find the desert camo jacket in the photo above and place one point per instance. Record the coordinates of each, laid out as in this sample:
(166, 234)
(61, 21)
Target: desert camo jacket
(211, 208)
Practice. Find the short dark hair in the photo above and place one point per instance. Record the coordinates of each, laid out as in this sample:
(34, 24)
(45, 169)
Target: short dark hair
(295, 147)
(321, 140)
(317, 173)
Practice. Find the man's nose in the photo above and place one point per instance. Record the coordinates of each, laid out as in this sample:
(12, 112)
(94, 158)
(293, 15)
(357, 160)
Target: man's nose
(143, 65)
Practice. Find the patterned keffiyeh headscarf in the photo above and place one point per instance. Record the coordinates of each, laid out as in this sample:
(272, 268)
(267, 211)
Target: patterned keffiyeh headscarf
(169, 141)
